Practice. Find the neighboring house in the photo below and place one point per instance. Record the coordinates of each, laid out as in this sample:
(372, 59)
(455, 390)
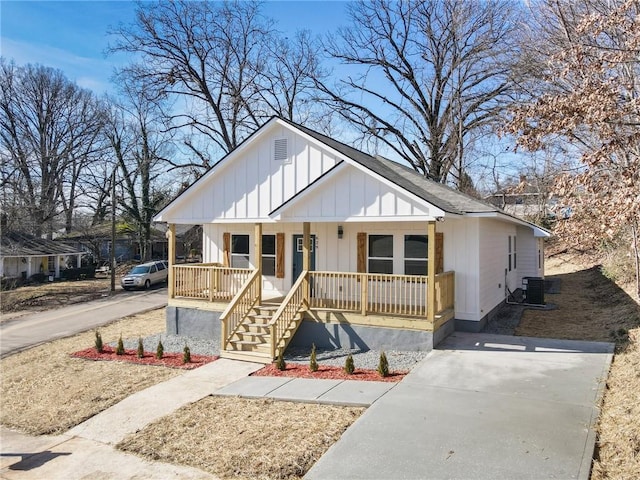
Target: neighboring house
(24, 255)
(523, 200)
(97, 240)
(366, 252)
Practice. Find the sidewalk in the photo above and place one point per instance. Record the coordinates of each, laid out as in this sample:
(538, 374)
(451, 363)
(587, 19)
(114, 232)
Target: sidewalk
(87, 450)
(480, 406)
(35, 328)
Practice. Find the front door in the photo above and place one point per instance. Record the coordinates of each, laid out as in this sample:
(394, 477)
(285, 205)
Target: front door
(297, 256)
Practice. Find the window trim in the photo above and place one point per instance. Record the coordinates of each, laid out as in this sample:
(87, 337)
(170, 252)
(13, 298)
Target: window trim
(246, 256)
(270, 255)
(424, 259)
(385, 259)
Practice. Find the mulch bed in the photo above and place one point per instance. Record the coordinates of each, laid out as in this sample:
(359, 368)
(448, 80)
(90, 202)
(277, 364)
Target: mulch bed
(298, 370)
(172, 360)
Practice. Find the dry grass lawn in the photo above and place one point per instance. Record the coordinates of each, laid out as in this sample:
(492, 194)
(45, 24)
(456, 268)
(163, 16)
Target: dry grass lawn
(47, 296)
(45, 391)
(240, 438)
(591, 307)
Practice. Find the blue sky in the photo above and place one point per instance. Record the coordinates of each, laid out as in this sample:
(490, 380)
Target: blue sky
(72, 35)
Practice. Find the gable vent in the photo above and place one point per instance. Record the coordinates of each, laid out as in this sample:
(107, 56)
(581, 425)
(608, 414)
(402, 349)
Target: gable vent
(280, 150)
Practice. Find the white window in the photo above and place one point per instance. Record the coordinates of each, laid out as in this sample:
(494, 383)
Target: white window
(512, 256)
(415, 254)
(240, 251)
(380, 257)
(269, 255)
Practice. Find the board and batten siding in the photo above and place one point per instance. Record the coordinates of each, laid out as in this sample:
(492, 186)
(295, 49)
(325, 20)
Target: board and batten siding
(254, 183)
(493, 257)
(461, 256)
(528, 246)
(351, 195)
(340, 254)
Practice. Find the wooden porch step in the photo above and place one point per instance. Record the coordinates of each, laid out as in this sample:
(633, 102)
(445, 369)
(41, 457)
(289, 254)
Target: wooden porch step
(267, 307)
(258, 328)
(255, 357)
(251, 337)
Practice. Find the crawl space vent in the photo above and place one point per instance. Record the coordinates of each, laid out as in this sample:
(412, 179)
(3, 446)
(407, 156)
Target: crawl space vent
(280, 153)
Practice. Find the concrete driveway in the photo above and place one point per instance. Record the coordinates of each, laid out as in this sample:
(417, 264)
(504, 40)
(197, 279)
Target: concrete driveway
(481, 407)
(36, 328)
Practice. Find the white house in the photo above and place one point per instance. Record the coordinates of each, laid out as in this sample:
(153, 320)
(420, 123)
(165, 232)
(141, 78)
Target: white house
(22, 256)
(348, 240)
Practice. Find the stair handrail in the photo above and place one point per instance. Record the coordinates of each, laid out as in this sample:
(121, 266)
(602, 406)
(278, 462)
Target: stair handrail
(287, 311)
(239, 307)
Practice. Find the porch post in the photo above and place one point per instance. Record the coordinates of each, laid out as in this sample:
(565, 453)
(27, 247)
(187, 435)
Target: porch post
(171, 257)
(257, 258)
(431, 272)
(56, 264)
(79, 261)
(306, 257)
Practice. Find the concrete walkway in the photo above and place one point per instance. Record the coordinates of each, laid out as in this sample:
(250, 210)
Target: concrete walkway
(35, 328)
(481, 407)
(87, 450)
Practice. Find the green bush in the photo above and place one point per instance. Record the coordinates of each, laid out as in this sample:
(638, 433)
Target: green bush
(159, 350)
(383, 365)
(280, 363)
(120, 347)
(140, 351)
(313, 362)
(99, 345)
(349, 366)
(186, 355)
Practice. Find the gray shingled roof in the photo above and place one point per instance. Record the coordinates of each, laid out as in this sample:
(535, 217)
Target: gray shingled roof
(442, 196)
(21, 245)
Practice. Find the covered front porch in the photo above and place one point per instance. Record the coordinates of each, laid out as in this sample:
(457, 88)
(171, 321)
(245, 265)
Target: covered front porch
(258, 326)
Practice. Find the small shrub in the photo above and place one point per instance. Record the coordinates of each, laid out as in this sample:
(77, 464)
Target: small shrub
(383, 365)
(120, 347)
(159, 350)
(349, 366)
(140, 351)
(313, 362)
(99, 345)
(186, 355)
(280, 363)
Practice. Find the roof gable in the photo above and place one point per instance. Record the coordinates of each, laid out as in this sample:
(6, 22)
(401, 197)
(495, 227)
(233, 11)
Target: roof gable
(247, 186)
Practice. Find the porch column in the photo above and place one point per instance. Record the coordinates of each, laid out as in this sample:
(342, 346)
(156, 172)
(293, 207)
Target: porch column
(29, 267)
(431, 272)
(79, 261)
(56, 263)
(306, 258)
(257, 256)
(171, 240)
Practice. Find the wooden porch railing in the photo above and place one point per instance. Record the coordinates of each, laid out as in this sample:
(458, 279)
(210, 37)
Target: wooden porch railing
(208, 281)
(243, 302)
(379, 293)
(445, 291)
(293, 303)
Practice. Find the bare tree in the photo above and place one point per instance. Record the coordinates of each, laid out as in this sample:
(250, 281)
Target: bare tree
(141, 146)
(430, 75)
(226, 63)
(48, 132)
(589, 96)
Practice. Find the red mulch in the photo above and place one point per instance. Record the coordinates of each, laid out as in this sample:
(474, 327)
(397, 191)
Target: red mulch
(172, 360)
(299, 370)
